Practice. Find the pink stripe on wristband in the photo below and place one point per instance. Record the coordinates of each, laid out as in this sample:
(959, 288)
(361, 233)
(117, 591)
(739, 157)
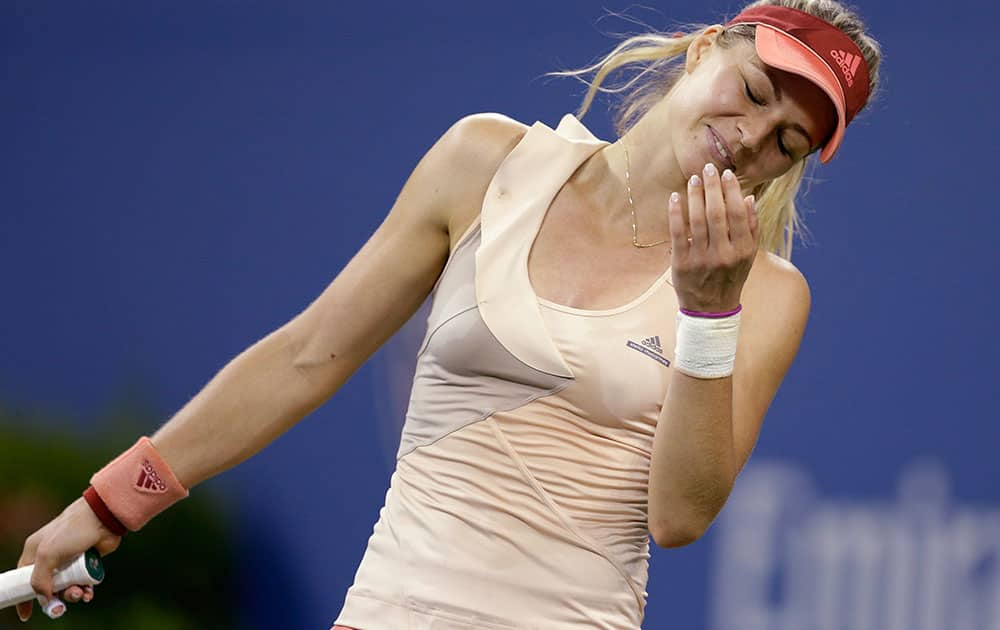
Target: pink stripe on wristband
(712, 315)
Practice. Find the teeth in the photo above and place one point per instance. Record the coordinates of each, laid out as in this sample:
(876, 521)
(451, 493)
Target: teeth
(722, 149)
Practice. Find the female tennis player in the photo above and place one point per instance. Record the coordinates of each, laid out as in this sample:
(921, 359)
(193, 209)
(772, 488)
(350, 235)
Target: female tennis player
(610, 322)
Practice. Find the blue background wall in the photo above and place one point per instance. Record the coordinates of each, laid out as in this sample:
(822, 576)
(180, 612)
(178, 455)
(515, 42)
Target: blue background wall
(178, 179)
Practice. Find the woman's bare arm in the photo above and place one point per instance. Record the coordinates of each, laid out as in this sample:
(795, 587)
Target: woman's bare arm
(708, 424)
(280, 379)
(709, 427)
(277, 381)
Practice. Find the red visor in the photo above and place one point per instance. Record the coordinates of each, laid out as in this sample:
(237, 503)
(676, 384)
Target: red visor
(805, 45)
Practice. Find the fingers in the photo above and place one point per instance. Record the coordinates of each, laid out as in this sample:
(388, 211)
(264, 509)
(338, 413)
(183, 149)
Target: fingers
(730, 218)
(108, 544)
(24, 611)
(737, 215)
(77, 593)
(73, 594)
(53, 607)
(678, 228)
(27, 557)
(46, 564)
(696, 213)
(715, 209)
(709, 272)
(65, 537)
(751, 202)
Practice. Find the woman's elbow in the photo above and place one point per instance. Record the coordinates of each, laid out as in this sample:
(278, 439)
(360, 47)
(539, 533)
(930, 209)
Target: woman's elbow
(671, 536)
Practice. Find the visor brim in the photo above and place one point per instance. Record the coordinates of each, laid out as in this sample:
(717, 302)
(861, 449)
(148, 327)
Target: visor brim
(780, 50)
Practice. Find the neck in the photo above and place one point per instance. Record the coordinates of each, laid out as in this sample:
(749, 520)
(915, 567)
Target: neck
(655, 172)
(653, 175)
(601, 181)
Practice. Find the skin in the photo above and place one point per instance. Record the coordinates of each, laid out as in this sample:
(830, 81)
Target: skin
(582, 257)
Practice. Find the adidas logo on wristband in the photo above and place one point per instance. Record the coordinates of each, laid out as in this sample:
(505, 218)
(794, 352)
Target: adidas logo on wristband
(148, 480)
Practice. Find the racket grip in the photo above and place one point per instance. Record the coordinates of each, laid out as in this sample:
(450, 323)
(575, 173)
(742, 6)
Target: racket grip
(15, 586)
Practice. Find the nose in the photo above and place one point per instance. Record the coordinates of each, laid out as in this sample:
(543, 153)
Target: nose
(754, 130)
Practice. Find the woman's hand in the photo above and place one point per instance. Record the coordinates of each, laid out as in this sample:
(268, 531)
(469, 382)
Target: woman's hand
(710, 267)
(57, 543)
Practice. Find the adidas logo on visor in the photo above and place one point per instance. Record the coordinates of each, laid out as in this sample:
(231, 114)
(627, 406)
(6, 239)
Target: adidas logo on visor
(848, 64)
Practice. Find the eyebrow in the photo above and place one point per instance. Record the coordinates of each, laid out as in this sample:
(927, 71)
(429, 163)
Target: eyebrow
(777, 96)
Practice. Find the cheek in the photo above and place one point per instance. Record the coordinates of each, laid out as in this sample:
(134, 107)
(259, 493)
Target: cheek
(728, 97)
(713, 101)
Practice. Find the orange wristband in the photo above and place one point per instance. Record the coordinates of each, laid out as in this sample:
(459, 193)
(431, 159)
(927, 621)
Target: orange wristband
(137, 485)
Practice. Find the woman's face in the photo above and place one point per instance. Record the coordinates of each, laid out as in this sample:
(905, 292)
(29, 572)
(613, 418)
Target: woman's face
(766, 119)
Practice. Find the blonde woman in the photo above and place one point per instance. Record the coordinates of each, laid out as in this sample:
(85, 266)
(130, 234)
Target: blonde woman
(610, 322)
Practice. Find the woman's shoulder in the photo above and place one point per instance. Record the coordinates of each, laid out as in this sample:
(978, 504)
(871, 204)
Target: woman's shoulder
(481, 141)
(472, 150)
(489, 125)
(777, 283)
(776, 267)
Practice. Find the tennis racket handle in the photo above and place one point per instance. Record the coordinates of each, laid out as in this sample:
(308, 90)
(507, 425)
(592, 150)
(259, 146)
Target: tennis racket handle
(15, 586)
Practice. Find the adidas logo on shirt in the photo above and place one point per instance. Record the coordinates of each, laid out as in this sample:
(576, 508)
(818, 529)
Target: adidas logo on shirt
(650, 346)
(148, 480)
(653, 343)
(848, 64)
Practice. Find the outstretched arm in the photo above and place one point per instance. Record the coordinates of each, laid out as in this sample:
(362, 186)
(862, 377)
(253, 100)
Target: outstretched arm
(280, 379)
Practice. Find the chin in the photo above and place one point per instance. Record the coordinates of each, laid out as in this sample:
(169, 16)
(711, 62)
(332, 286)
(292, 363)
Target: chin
(692, 165)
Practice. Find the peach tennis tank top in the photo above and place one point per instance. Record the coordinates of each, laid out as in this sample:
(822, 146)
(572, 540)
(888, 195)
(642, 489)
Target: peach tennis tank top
(519, 498)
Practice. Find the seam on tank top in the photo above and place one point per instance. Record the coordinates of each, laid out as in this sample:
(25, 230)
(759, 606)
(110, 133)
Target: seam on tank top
(462, 242)
(438, 613)
(562, 516)
(431, 332)
(489, 412)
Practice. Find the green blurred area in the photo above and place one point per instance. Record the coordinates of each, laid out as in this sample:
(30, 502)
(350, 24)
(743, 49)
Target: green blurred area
(172, 575)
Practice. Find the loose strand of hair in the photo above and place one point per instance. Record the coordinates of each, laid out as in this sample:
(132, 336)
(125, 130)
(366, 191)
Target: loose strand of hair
(649, 51)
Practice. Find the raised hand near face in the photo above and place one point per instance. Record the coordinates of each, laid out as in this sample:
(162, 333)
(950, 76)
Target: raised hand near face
(710, 267)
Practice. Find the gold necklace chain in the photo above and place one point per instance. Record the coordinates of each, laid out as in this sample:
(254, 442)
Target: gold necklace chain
(631, 205)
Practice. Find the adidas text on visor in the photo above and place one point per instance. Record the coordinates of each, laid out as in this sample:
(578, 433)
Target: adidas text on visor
(796, 42)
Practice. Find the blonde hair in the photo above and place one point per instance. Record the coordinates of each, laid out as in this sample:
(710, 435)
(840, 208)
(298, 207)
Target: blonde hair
(657, 59)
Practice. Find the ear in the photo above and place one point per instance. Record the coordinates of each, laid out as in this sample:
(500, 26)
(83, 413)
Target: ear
(701, 46)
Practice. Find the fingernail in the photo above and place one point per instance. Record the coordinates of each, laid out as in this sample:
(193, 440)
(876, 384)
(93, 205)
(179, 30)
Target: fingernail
(727, 175)
(20, 616)
(674, 197)
(710, 169)
(753, 203)
(695, 180)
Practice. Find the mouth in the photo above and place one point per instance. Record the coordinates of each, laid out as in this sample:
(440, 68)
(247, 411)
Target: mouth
(720, 150)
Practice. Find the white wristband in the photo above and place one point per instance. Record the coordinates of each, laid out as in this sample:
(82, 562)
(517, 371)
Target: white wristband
(706, 346)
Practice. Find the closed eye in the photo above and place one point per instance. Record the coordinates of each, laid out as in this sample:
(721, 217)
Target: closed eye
(756, 100)
(751, 94)
(782, 147)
